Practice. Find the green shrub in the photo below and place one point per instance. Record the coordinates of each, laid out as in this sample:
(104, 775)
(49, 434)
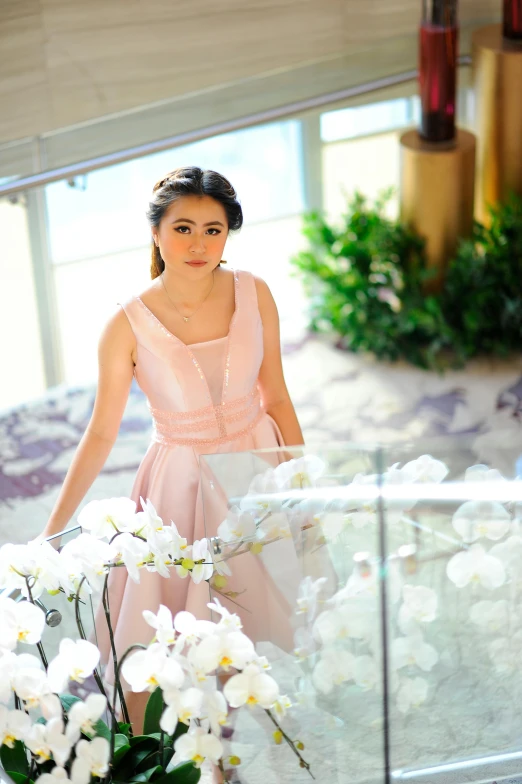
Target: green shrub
(366, 283)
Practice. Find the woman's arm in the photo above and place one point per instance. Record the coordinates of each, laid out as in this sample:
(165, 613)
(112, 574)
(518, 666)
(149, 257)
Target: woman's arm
(116, 368)
(274, 394)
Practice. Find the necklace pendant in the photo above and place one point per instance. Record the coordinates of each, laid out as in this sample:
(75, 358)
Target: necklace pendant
(186, 318)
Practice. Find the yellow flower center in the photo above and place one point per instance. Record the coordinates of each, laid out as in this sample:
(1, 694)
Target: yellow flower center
(252, 700)
(44, 754)
(77, 675)
(152, 681)
(226, 661)
(23, 634)
(9, 741)
(197, 759)
(185, 717)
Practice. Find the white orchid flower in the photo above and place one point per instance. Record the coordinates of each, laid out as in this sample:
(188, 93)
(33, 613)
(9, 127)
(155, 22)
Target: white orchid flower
(281, 707)
(46, 740)
(92, 759)
(14, 725)
(178, 542)
(425, 469)
(251, 687)
(107, 517)
(332, 524)
(412, 692)
(333, 668)
(307, 598)
(145, 670)
(56, 776)
(83, 716)
(275, 525)
(299, 472)
(20, 622)
(216, 710)
(490, 616)
(51, 706)
(258, 501)
(10, 664)
(237, 525)
(163, 624)
(30, 684)
(229, 621)
(509, 553)
(196, 745)
(75, 661)
(419, 606)
(366, 672)
(135, 553)
(475, 519)
(148, 519)
(349, 620)
(183, 706)
(413, 651)
(36, 560)
(191, 629)
(475, 566)
(160, 548)
(204, 567)
(483, 473)
(226, 650)
(505, 654)
(89, 556)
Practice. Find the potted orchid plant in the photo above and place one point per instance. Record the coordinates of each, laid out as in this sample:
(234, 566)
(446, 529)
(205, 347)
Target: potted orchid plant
(48, 735)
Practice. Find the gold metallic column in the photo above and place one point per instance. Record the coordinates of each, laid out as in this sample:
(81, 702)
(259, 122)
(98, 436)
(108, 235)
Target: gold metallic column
(437, 189)
(497, 80)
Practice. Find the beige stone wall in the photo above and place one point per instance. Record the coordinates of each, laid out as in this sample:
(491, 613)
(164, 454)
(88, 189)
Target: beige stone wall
(64, 62)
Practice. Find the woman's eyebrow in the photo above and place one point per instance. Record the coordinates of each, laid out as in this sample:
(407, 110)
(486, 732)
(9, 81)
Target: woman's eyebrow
(186, 220)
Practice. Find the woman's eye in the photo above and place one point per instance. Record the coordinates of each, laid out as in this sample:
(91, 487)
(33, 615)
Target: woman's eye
(181, 229)
(214, 232)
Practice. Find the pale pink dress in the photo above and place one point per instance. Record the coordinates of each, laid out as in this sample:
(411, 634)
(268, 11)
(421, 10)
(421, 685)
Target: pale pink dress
(203, 400)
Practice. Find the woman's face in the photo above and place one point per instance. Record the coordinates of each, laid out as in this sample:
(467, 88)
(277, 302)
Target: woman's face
(192, 235)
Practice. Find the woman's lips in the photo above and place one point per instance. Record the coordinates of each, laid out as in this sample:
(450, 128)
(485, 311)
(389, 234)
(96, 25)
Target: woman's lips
(196, 263)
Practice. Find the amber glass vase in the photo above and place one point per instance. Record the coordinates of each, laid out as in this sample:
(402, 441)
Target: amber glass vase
(512, 26)
(438, 42)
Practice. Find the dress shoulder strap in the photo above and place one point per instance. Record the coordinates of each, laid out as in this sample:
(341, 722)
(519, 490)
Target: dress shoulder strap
(247, 289)
(134, 310)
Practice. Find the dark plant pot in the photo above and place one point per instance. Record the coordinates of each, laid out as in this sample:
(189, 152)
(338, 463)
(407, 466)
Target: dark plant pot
(438, 43)
(512, 20)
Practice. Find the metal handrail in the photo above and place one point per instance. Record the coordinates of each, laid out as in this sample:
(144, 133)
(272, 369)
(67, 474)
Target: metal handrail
(268, 115)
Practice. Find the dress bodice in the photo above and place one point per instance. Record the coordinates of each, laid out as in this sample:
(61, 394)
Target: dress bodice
(207, 392)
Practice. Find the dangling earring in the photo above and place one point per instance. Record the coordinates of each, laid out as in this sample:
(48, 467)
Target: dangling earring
(222, 261)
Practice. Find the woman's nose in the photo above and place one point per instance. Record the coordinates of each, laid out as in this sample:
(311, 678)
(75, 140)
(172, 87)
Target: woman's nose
(197, 243)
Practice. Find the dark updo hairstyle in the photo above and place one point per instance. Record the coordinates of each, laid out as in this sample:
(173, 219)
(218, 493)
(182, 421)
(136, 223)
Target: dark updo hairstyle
(190, 181)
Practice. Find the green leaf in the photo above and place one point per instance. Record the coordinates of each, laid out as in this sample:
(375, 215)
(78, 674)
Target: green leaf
(139, 748)
(15, 759)
(153, 712)
(124, 728)
(120, 741)
(19, 778)
(101, 729)
(68, 701)
(147, 774)
(186, 773)
(119, 754)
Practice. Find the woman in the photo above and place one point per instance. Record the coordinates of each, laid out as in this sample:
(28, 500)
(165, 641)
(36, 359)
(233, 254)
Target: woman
(203, 343)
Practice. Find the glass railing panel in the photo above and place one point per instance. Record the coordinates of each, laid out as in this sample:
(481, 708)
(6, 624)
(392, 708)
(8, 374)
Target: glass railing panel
(279, 522)
(455, 634)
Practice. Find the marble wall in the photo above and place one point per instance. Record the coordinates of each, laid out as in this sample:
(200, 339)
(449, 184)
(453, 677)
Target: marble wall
(64, 62)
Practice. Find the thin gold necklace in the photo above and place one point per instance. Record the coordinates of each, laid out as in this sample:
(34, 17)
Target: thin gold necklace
(186, 318)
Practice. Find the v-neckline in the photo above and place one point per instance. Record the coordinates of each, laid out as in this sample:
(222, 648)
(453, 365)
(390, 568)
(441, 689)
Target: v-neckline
(186, 346)
(201, 342)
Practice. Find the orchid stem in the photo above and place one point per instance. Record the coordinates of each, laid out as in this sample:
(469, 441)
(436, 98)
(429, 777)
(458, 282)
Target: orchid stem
(117, 671)
(81, 631)
(39, 645)
(302, 762)
(118, 686)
